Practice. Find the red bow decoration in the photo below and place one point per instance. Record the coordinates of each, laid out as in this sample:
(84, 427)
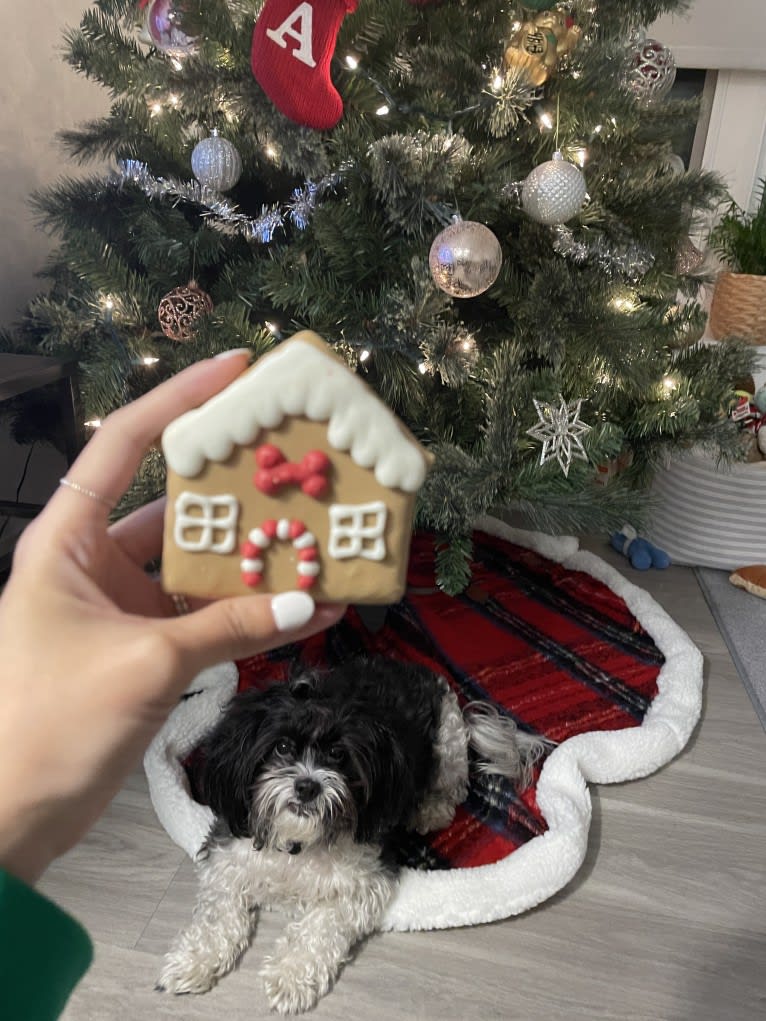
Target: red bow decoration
(275, 471)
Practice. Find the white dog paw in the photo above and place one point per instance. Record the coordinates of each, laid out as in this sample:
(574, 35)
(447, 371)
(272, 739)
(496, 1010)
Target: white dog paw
(186, 974)
(292, 989)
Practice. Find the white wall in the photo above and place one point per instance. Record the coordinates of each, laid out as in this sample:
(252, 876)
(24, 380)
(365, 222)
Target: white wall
(39, 94)
(730, 39)
(713, 34)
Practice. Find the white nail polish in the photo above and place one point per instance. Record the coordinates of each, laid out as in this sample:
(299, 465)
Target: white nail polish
(292, 610)
(232, 353)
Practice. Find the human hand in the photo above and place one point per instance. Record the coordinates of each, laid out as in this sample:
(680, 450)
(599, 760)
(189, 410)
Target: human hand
(94, 657)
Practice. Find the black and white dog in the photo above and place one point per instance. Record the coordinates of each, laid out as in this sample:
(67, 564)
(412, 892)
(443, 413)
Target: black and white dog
(310, 781)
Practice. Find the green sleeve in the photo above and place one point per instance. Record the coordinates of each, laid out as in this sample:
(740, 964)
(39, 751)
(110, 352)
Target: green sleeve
(43, 953)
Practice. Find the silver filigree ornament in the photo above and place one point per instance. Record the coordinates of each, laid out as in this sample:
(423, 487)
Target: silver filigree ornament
(560, 430)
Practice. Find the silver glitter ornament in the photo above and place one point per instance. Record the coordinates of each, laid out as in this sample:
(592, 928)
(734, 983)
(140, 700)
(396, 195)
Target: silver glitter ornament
(554, 192)
(465, 259)
(216, 163)
(650, 72)
(689, 258)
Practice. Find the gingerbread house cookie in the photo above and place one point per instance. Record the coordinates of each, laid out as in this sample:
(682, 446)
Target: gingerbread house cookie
(296, 475)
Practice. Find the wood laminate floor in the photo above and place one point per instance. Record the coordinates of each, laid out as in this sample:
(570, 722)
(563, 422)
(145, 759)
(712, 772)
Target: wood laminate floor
(666, 921)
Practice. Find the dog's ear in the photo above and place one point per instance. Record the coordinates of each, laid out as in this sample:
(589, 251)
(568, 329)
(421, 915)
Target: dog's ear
(385, 780)
(303, 683)
(232, 756)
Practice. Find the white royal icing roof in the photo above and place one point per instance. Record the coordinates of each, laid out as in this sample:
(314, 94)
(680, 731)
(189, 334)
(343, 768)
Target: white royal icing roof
(297, 379)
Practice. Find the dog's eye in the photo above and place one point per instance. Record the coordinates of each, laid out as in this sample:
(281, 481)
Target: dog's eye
(284, 746)
(336, 753)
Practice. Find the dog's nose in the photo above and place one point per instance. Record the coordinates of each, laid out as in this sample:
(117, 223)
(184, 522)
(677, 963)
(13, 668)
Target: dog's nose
(306, 789)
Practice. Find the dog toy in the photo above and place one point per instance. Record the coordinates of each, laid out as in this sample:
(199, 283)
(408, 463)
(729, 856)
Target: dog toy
(641, 553)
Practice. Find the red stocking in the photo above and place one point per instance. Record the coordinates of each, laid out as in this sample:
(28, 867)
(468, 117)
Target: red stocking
(293, 44)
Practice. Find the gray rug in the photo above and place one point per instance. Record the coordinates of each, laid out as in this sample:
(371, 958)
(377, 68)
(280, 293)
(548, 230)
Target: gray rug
(741, 619)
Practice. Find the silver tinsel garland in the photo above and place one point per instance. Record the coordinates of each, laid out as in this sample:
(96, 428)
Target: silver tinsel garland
(222, 214)
(631, 260)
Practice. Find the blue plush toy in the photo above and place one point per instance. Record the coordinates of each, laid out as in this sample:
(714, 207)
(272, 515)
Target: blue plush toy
(640, 552)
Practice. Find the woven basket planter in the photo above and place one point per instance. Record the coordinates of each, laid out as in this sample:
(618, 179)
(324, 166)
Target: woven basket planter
(739, 307)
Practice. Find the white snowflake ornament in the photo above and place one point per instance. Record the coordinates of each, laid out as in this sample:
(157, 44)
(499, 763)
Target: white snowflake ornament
(560, 430)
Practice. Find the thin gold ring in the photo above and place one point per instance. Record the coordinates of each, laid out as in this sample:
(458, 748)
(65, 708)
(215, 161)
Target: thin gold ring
(180, 604)
(87, 492)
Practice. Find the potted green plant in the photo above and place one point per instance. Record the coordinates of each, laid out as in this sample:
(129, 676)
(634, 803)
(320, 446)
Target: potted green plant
(739, 299)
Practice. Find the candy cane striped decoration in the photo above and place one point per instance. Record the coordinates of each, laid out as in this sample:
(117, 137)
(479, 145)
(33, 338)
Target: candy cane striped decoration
(259, 540)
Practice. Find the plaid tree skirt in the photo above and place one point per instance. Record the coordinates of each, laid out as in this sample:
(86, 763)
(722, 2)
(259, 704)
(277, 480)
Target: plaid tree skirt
(556, 649)
(566, 645)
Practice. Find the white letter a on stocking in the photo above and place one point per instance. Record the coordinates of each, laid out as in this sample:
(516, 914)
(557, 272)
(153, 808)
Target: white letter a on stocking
(302, 16)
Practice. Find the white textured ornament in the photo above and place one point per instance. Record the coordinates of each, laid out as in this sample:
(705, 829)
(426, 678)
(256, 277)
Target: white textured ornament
(554, 192)
(651, 71)
(465, 259)
(216, 163)
(561, 430)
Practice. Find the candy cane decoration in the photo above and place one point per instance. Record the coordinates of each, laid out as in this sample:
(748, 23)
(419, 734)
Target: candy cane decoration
(259, 540)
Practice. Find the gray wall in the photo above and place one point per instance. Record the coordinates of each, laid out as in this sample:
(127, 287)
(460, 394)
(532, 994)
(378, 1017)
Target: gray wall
(39, 94)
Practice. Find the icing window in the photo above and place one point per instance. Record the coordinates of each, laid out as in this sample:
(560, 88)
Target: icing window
(356, 530)
(206, 524)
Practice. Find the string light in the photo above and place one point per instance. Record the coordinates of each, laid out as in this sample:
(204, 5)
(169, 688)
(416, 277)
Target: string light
(177, 65)
(625, 305)
(382, 111)
(546, 121)
(669, 384)
(156, 108)
(271, 152)
(422, 368)
(580, 155)
(108, 305)
(497, 82)
(93, 423)
(352, 62)
(149, 360)
(173, 100)
(364, 355)
(272, 328)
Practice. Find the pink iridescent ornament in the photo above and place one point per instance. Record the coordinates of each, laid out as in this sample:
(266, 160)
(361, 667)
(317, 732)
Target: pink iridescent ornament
(164, 19)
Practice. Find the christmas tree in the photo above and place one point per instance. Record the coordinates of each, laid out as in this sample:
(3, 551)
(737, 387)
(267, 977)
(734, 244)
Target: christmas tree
(476, 202)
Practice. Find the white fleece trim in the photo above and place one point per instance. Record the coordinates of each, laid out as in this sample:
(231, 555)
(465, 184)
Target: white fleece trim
(545, 864)
(186, 821)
